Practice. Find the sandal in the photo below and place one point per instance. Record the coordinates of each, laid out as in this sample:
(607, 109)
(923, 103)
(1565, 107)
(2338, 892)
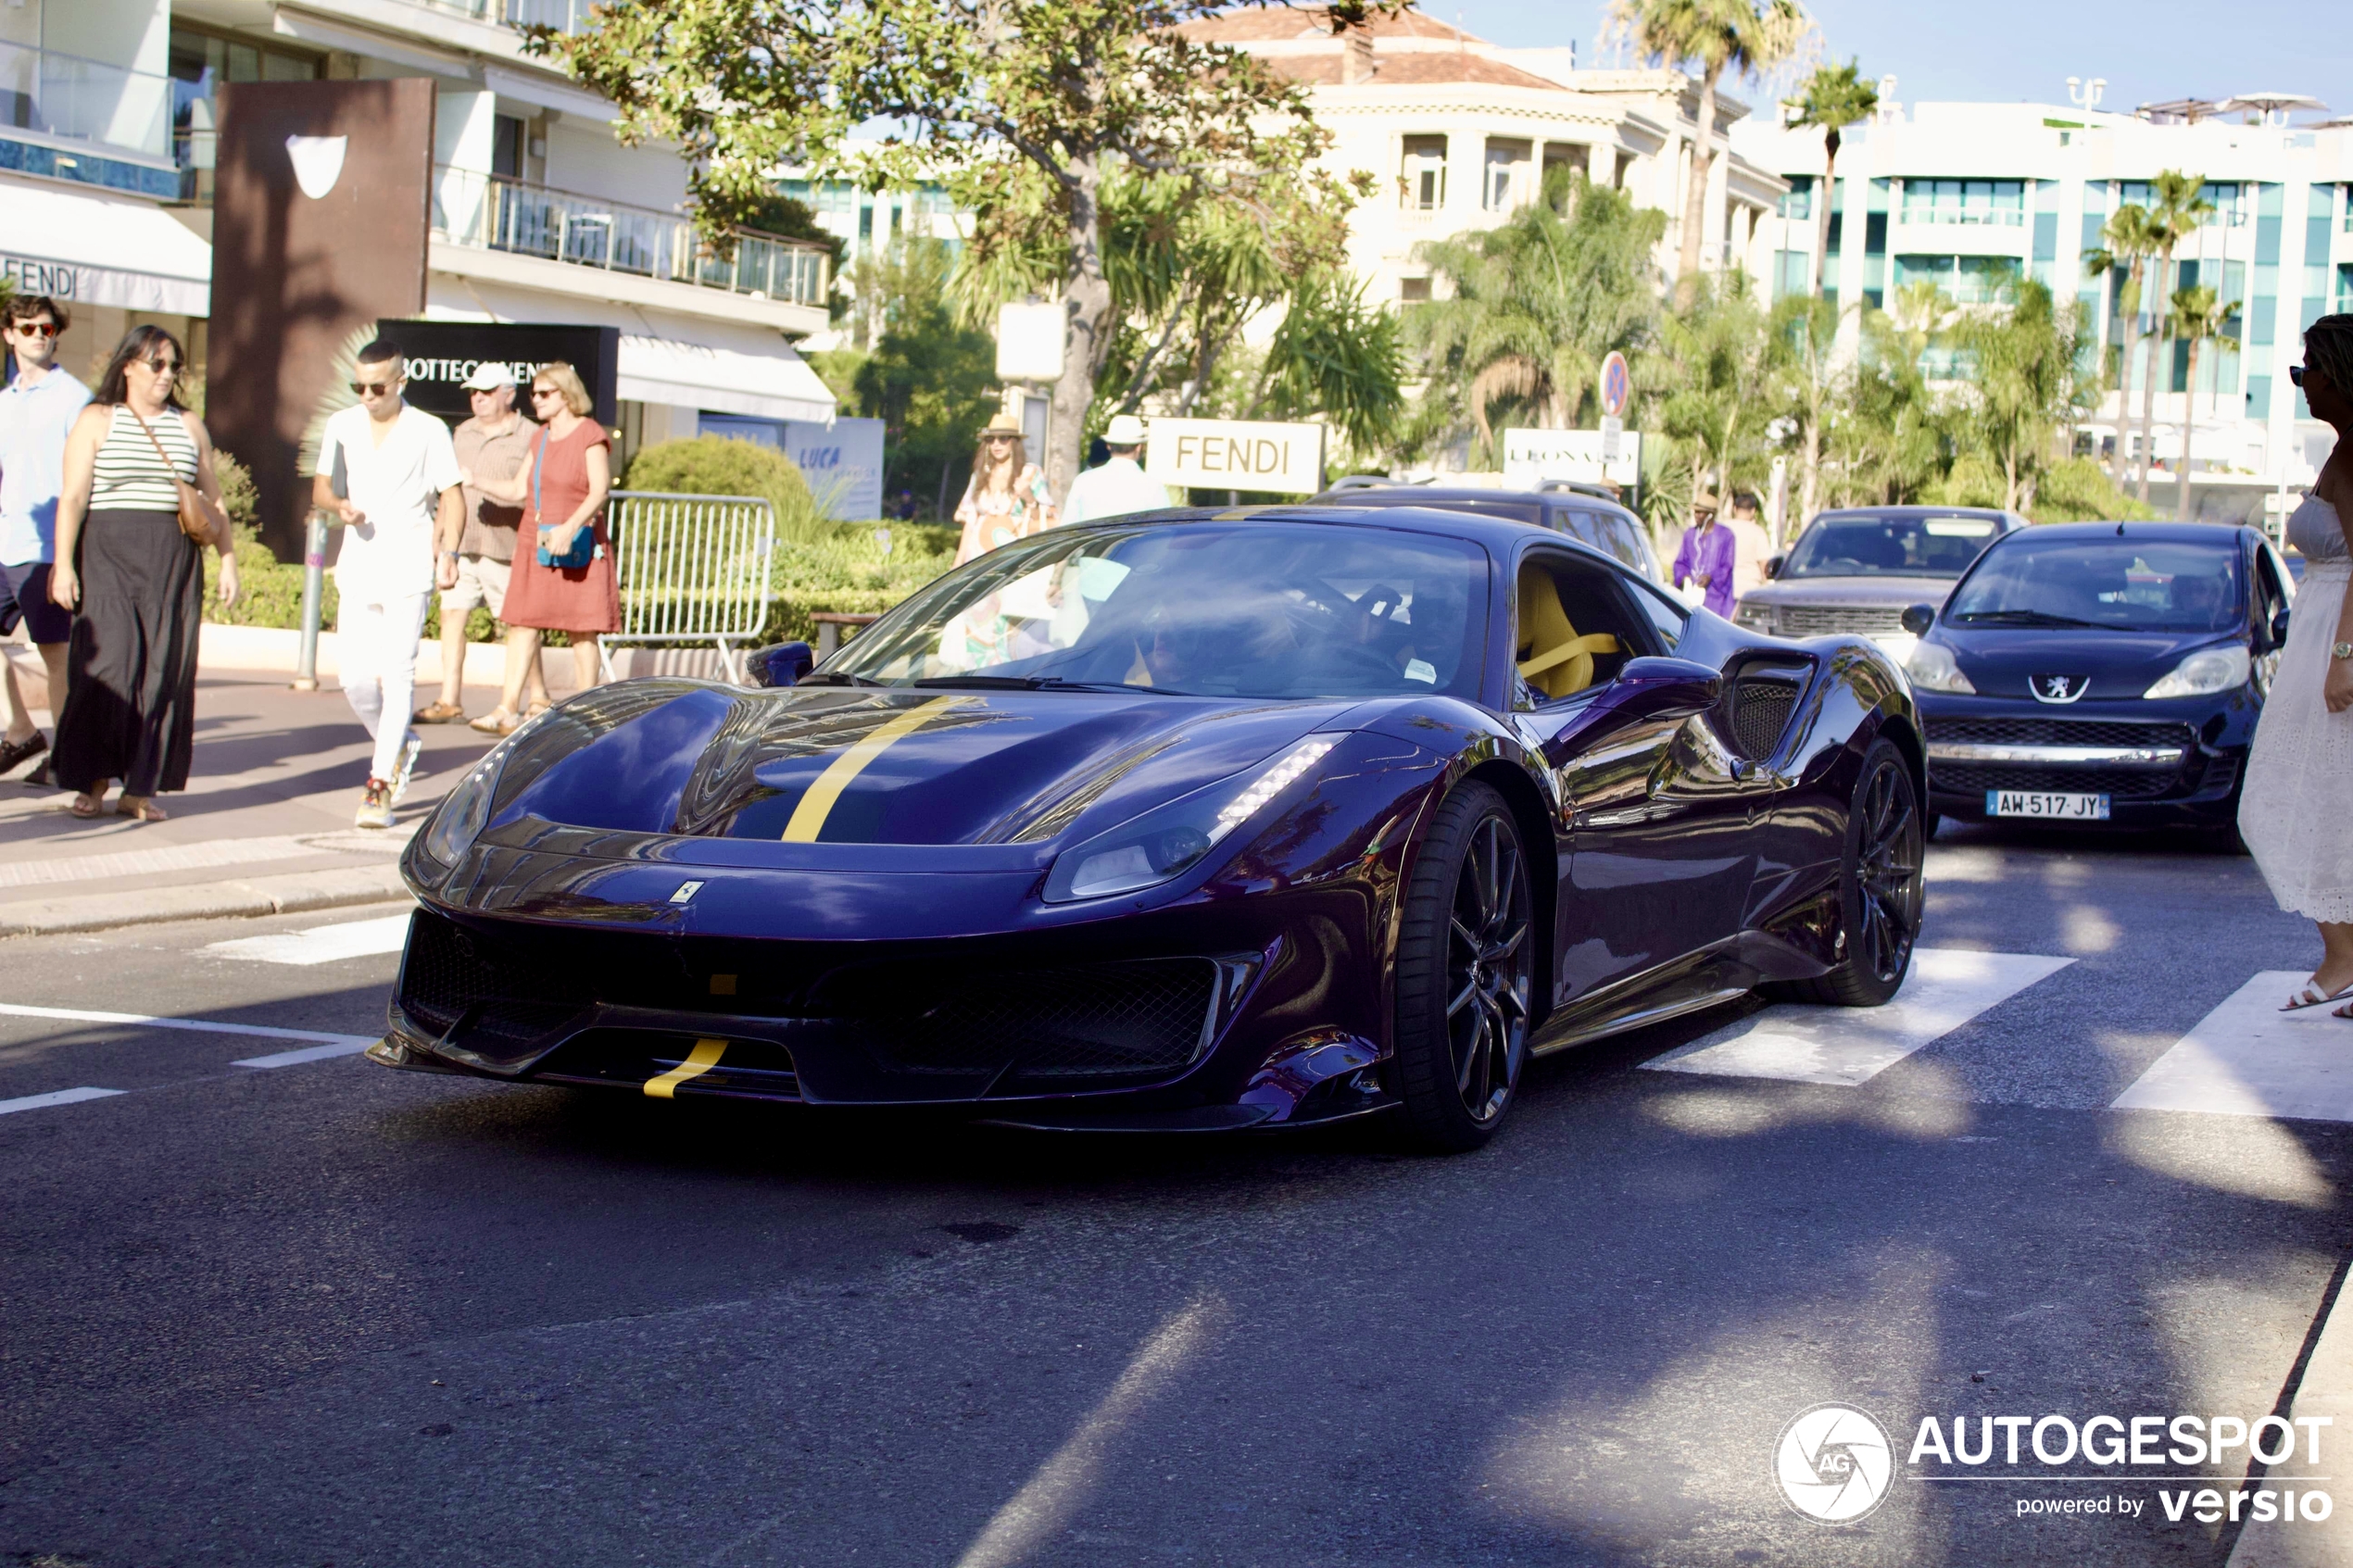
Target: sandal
(439, 713)
(88, 808)
(140, 811)
(2311, 998)
(536, 709)
(498, 721)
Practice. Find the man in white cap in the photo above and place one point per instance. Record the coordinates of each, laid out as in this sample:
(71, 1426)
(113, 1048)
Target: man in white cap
(492, 445)
(1120, 485)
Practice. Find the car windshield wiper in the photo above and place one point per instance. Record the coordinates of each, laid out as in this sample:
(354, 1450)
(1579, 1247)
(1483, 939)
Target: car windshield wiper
(1040, 684)
(839, 678)
(2026, 617)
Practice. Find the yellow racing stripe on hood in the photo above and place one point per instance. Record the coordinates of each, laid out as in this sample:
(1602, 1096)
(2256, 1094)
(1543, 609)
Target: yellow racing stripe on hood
(809, 817)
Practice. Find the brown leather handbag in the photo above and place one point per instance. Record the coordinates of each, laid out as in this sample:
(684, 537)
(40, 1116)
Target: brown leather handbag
(195, 513)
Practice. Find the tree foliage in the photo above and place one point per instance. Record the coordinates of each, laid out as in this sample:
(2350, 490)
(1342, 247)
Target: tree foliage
(1532, 306)
(1833, 98)
(1003, 101)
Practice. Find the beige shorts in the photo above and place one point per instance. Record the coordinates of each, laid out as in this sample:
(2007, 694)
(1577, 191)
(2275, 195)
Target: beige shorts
(480, 581)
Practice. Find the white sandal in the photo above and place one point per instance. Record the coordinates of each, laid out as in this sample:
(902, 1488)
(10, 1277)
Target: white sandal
(2311, 998)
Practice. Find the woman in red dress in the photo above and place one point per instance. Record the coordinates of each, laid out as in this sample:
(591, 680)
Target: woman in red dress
(561, 485)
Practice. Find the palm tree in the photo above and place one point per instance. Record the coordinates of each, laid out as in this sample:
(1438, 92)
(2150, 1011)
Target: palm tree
(1746, 37)
(2025, 387)
(1534, 306)
(2198, 315)
(2130, 241)
(1834, 98)
(2173, 216)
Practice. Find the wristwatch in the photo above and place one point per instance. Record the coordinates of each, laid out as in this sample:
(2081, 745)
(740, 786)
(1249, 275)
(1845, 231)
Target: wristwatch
(2341, 650)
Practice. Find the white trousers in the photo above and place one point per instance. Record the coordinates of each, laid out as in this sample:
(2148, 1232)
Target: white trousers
(376, 644)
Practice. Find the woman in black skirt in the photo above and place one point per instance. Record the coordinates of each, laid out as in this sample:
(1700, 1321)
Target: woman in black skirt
(136, 582)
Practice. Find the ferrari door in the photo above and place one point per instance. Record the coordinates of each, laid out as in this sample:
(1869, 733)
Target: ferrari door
(1656, 812)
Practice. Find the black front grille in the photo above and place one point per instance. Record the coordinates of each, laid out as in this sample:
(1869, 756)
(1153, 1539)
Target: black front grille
(447, 973)
(2124, 783)
(2057, 732)
(1100, 1020)
(1761, 707)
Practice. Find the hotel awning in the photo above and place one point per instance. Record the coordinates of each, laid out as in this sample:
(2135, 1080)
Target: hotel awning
(774, 384)
(94, 249)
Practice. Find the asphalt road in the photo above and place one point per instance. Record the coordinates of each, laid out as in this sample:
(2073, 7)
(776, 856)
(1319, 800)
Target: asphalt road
(323, 1313)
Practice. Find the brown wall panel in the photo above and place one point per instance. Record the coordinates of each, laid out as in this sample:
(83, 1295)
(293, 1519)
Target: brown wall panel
(293, 275)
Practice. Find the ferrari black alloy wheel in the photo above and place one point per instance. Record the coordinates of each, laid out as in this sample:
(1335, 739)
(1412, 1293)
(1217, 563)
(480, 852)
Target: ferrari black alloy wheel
(1465, 963)
(1881, 894)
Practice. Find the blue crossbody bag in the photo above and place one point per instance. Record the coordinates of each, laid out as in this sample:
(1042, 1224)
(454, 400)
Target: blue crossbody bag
(583, 544)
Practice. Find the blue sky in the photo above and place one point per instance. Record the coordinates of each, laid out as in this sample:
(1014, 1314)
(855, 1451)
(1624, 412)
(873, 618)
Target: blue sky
(2008, 50)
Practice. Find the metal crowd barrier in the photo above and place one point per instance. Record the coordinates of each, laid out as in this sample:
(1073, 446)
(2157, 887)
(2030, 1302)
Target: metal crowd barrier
(693, 568)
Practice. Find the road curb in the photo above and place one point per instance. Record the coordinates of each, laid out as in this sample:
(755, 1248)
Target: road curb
(2325, 1390)
(290, 893)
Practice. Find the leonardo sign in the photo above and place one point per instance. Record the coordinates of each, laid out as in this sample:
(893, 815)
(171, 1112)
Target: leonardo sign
(1235, 455)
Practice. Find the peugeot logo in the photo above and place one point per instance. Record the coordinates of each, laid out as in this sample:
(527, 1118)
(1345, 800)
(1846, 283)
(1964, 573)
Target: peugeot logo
(2058, 688)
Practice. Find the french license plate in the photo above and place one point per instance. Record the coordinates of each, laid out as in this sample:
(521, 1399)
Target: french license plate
(2036, 803)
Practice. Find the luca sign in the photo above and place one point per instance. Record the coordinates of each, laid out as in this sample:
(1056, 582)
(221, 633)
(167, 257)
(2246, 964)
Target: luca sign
(1235, 455)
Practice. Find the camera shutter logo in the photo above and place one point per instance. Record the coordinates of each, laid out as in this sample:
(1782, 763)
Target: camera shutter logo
(1834, 1464)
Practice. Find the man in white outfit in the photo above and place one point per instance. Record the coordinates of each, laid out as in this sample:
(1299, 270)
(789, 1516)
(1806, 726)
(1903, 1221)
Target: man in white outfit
(390, 473)
(1120, 485)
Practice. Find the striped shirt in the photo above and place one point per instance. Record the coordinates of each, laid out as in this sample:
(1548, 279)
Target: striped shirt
(128, 476)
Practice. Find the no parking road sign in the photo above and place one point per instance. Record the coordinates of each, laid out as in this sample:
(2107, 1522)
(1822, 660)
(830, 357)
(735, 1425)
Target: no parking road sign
(1617, 385)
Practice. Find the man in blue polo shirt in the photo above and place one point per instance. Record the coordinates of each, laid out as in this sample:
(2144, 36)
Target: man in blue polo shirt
(37, 409)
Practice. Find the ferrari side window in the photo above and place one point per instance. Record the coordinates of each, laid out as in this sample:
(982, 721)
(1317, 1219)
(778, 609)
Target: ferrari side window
(1570, 632)
(1668, 619)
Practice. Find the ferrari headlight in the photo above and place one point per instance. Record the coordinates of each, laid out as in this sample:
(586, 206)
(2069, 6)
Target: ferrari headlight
(465, 810)
(1933, 668)
(2205, 672)
(1170, 839)
(1753, 617)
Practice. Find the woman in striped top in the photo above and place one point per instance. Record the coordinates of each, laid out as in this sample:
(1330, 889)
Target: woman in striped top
(136, 582)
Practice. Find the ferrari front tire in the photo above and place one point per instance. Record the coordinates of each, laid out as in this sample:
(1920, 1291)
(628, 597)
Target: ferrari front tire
(1466, 970)
(1881, 894)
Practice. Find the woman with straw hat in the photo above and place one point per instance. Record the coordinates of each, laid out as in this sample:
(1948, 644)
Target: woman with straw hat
(1007, 498)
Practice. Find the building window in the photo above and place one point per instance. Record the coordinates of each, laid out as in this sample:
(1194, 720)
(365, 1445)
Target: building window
(1412, 291)
(1567, 155)
(1798, 201)
(198, 63)
(1506, 185)
(1999, 203)
(508, 138)
(1792, 271)
(1421, 175)
(1967, 279)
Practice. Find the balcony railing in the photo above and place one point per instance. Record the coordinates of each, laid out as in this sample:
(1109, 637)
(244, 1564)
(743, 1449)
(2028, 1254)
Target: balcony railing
(564, 16)
(81, 100)
(491, 212)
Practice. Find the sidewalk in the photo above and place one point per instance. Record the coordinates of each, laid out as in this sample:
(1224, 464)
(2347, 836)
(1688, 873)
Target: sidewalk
(264, 826)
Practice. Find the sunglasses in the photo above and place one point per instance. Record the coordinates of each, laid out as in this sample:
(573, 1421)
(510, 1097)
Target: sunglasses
(547, 392)
(34, 328)
(162, 366)
(372, 388)
(1001, 441)
(2296, 375)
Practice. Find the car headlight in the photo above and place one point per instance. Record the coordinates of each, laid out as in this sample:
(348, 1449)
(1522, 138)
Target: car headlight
(1753, 617)
(1169, 839)
(465, 810)
(2205, 672)
(1933, 668)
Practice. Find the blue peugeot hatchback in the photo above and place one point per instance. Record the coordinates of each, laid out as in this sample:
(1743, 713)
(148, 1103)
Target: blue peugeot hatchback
(2100, 673)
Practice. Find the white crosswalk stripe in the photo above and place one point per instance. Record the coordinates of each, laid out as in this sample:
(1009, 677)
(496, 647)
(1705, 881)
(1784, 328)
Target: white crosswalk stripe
(1848, 1046)
(55, 1097)
(2248, 1058)
(320, 943)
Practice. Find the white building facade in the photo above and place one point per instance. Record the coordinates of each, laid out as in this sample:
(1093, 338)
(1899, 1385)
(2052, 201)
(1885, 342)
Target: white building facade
(1969, 197)
(107, 123)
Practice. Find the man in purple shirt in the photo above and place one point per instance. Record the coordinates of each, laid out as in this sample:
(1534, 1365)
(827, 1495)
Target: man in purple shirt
(1707, 556)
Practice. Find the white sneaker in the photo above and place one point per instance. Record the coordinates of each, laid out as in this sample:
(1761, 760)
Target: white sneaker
(406, 769)
(375, 805)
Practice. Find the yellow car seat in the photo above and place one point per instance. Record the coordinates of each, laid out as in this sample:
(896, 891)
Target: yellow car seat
(1552, 656)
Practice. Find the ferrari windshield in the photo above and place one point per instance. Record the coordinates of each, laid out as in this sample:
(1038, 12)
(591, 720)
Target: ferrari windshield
(2129, 584)
(1889, 544)
(1258, 610)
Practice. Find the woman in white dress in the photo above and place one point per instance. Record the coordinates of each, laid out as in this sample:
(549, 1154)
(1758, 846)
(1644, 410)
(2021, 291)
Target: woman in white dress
(2296, 812)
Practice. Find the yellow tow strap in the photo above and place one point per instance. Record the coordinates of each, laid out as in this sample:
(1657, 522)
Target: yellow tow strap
(701, 1060)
